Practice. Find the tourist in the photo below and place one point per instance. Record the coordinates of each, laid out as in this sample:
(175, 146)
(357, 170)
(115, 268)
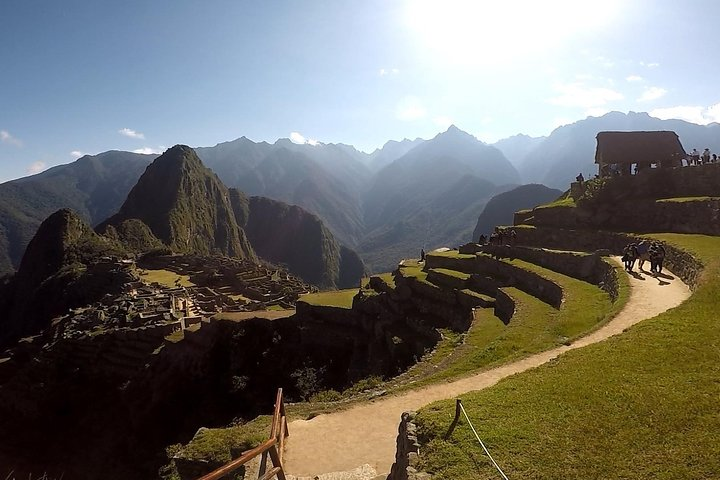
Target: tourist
(652, 253)
(422, 254)
(580, 178)
(513, 234)
(629, 256)
(657, 257)
(483, 239)
(714, 158)
(642, 253)
(694, 157)
(706, 156)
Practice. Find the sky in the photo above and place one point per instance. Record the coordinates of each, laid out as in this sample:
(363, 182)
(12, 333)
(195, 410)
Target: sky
(83, 77)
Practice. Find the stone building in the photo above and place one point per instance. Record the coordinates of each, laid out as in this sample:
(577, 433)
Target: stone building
(618, 152)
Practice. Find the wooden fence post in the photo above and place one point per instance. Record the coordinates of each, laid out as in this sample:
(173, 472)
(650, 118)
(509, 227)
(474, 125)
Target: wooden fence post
(455, 420)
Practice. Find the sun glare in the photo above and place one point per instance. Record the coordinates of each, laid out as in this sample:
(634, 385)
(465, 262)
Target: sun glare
(487, 32)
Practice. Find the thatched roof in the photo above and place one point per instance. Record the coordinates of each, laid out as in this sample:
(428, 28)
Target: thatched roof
(634, 147)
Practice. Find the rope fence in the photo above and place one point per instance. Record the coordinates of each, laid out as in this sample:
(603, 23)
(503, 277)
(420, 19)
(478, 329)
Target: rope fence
(458, 409)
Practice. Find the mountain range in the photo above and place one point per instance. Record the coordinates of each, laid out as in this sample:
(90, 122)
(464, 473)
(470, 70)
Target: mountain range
(177, 205)
(385, 205)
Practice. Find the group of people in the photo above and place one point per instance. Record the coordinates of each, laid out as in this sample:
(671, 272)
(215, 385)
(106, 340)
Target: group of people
(696, 158)
(654, 252)
(500, 236)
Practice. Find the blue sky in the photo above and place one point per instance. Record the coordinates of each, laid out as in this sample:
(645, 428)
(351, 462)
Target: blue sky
(89, 76)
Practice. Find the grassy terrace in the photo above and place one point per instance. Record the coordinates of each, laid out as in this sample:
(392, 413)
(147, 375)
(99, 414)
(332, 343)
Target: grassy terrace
(567, 202)
(388, 278)
(686, 199)
(166, 278)
(641, 405)
(335, 298)
(535, 327)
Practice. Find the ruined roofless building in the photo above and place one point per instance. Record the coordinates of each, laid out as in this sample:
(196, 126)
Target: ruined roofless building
(618, 151)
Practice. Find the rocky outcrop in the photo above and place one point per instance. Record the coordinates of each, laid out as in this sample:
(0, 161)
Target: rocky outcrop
(57, 272)
(185, 206)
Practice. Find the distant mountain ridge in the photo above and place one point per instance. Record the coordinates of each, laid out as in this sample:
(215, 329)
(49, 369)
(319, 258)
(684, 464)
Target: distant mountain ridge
(428, 193)
(93, 186)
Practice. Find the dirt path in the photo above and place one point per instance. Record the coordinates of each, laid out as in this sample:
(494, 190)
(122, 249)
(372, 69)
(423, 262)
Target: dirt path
(366, 434)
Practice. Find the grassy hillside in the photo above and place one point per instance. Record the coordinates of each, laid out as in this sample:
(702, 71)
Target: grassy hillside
(642, 405)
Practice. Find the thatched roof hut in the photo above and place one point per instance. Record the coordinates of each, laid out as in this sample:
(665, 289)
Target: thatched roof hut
(643, 148)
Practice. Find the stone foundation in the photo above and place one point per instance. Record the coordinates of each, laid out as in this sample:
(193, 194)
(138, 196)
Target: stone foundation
(407, 453)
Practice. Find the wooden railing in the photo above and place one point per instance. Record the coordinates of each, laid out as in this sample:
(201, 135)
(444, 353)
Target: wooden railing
(273, 446)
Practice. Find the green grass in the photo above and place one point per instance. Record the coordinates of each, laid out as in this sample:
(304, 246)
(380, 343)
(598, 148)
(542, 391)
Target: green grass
(641, 405)
(388, 278)
(335, 298)
(176, 336)
(686, 199)
(166, 278)
(215, 443)
(413, 272)
(450, 254)
(535, 327)
(568, 202)
(451, 273)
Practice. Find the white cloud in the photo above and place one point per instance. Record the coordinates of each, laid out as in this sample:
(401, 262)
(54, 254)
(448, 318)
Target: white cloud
(295, 137)
(5, 137)
(652, 93)
(634, 78)
(129, 132)
(150, 150)
(77, 153)
(443, 121)
(691, 113)
(578, 95)
(298, 138)
(388, 71)
(36, 167)
(650, 64)
(604, 61)
(410, 108)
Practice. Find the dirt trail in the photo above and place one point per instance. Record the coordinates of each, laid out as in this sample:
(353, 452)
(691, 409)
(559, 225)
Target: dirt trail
(366, 434)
